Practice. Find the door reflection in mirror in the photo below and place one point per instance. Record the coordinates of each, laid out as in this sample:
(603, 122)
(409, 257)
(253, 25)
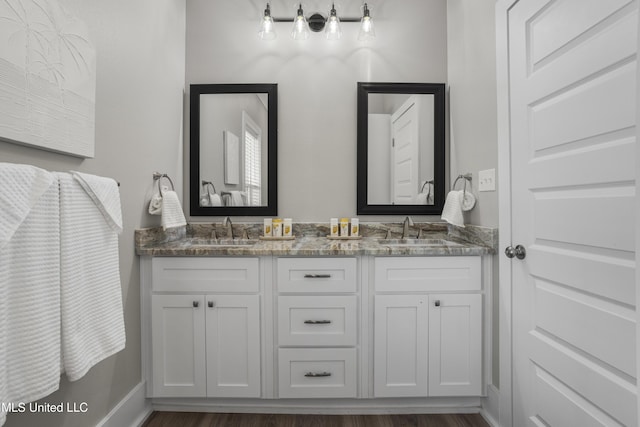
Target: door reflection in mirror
(400, 157)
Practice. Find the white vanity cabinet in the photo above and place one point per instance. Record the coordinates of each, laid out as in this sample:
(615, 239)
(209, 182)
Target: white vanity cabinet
(427, 326)
(274, 331)
(317, 307)
(205, 327)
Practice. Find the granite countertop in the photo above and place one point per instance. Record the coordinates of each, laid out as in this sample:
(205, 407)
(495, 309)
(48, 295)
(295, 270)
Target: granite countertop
(311, 240)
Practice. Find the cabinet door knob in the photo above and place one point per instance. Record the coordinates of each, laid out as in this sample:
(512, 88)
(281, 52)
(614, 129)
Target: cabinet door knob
(211, 304)
(437, 303)
(196, 304)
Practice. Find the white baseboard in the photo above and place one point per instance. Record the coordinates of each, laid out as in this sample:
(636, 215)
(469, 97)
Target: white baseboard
(323, 406)
(131, 411)
(491, 406)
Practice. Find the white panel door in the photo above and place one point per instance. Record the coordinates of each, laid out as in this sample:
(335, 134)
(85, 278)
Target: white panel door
(233, 345)
(178, 346)
(405, 153)
(572, 69)
(455, 345)
(400, 345)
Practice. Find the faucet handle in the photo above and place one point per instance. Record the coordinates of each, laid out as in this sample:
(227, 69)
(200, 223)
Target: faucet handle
(214, 234)
(245, 234)
(388, 235)
(420, 231)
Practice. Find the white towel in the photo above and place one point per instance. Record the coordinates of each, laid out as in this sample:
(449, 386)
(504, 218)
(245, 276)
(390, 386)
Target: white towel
(236, 198)
(468, 201)
(172, 215)
(215, 200)
(155, 204)
(91, 293)
(29, 284)
(105, 194)
(452, 211)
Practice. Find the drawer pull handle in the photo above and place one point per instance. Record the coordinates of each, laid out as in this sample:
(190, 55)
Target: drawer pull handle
(317, 322)
(317, 374)
(196, 304)
(317, 276)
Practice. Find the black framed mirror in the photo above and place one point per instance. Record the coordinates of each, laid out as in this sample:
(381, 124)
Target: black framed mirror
(233, 149)
(401, 148)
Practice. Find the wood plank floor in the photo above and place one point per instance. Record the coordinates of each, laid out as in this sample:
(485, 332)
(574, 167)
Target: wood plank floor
(193, 419)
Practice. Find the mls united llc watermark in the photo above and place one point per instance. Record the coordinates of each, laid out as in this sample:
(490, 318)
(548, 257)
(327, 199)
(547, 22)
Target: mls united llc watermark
(22, 407)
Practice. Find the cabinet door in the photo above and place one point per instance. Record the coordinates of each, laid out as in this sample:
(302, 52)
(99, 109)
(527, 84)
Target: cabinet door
(178, 345)
(455, 345)
(233, 345)
(400, 345)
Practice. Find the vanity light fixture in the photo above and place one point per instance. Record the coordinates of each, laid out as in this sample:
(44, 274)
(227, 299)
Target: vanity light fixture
(267, 30)
(316, 23)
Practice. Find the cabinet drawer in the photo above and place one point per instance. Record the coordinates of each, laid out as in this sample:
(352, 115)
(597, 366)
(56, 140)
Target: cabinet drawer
(324, 275)
(315, 373)
(422, 274)
(188, 274)
(317, 320)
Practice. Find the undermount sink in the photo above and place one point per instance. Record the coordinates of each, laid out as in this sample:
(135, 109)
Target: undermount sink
(222, 243)
(417, 242)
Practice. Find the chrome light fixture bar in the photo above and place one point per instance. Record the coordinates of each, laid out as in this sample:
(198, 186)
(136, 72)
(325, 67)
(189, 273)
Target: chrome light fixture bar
(302, 26)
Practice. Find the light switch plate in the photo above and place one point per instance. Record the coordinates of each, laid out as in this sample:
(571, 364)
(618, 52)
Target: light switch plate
(487, 180)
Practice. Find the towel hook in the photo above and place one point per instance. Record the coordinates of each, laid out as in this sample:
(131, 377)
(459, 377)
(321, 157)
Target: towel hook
(157, 176)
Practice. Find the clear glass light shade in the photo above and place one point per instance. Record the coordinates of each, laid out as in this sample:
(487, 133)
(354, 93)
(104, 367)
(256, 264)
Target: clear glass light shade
(300, 29)
(267, 29)
(367, 32)
(332, 27)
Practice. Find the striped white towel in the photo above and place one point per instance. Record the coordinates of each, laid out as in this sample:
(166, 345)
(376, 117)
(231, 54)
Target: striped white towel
(452, 210)
(172, 215)
(91, 294)
(29, 284)
(104, 193)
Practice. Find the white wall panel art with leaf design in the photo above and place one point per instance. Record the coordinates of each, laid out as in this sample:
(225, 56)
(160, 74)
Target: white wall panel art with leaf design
(47, 78)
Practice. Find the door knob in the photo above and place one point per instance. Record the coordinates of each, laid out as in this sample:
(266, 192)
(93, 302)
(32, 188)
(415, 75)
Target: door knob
(519, 252)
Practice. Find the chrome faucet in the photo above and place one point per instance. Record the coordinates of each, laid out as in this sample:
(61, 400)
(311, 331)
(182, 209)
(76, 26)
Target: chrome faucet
(226, 222)
(405, 227)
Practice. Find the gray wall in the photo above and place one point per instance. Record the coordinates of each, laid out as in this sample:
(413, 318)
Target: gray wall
(140, 79)
(316, 85)
(473, 114)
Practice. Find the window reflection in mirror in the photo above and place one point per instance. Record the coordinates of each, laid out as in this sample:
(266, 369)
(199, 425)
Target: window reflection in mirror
(233, 149)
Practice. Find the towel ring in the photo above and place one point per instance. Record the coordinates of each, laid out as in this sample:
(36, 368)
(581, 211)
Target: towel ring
(429, 191)
(466, 177)
(209, 184)
(158, 177)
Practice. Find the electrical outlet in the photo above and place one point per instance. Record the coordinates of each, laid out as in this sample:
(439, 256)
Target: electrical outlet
(487, 180)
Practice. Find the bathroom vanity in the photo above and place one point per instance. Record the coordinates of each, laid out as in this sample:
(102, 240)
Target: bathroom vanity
(315, 324)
